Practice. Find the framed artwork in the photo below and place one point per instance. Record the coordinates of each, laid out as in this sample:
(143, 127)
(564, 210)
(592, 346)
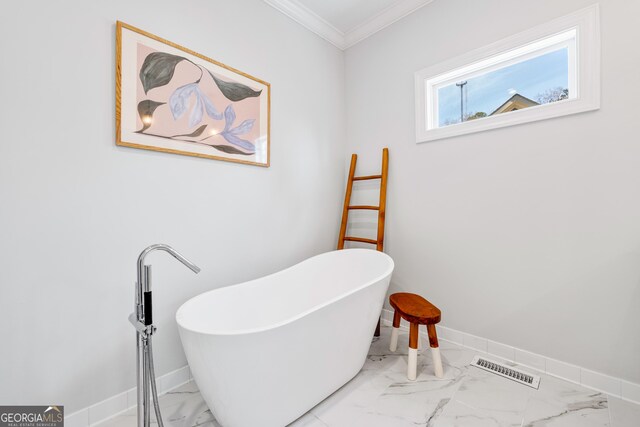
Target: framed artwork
(174, 100)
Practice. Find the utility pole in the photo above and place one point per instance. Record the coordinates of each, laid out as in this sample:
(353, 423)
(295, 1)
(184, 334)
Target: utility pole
(461, 85)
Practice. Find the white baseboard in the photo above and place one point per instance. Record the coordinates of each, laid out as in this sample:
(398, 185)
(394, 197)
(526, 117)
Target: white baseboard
(594, 380)
(122, 402)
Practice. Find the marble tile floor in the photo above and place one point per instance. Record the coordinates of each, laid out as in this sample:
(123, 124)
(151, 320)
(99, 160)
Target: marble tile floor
(381, 396)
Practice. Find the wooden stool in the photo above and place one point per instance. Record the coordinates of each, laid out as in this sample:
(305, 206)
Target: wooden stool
(417, 311)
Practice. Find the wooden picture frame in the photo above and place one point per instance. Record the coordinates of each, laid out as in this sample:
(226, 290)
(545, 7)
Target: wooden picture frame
(174, 100)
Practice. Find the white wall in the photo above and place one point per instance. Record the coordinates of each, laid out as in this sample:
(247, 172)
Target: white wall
(528, 235)
(76, 210)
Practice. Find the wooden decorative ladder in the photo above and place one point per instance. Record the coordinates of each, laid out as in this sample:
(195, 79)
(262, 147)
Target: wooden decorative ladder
(379, 242)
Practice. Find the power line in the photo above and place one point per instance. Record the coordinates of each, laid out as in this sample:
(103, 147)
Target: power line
(462, 87)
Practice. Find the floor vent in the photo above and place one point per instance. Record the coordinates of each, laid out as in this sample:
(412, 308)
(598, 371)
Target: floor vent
(507, 372)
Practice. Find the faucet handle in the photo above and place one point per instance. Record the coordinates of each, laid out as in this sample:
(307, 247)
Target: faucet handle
(140, 327)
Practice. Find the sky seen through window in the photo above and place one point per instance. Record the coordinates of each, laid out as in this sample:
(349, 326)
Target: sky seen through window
(487, 92)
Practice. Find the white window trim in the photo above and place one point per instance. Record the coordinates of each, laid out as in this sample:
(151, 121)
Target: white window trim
(585, 80)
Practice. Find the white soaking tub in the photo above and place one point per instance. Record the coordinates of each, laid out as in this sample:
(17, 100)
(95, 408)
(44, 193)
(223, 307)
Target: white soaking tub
(264, 352)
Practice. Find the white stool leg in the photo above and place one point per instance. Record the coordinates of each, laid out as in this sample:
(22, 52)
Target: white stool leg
(393, 346)
(412, 368)
(435, 351)
(437, 362)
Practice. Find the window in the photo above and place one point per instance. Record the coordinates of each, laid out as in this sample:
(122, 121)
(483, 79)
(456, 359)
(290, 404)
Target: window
(546, 72)
(517, 80)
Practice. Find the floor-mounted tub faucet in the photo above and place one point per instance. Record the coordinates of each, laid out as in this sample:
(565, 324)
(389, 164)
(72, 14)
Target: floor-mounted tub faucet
(142, 320)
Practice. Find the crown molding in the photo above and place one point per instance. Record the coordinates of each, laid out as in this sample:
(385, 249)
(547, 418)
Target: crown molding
(309, 19)
(386, 17)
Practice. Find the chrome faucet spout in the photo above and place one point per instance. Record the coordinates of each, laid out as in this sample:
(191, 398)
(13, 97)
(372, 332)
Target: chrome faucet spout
(144, 283)
(169, 250)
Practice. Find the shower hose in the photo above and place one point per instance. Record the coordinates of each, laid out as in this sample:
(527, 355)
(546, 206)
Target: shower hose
(148, 356)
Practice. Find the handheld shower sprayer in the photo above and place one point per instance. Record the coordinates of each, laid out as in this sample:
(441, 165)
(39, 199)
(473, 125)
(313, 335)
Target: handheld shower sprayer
(142, 321)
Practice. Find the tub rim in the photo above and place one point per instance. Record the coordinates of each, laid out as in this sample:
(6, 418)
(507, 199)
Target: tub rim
(388, 271)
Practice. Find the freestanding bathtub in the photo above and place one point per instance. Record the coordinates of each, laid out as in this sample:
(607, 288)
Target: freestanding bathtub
(264, 352)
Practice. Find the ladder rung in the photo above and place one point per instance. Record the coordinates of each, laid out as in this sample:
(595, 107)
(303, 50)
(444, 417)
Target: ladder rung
(360, 239)
(362, 178)
(372, 208)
